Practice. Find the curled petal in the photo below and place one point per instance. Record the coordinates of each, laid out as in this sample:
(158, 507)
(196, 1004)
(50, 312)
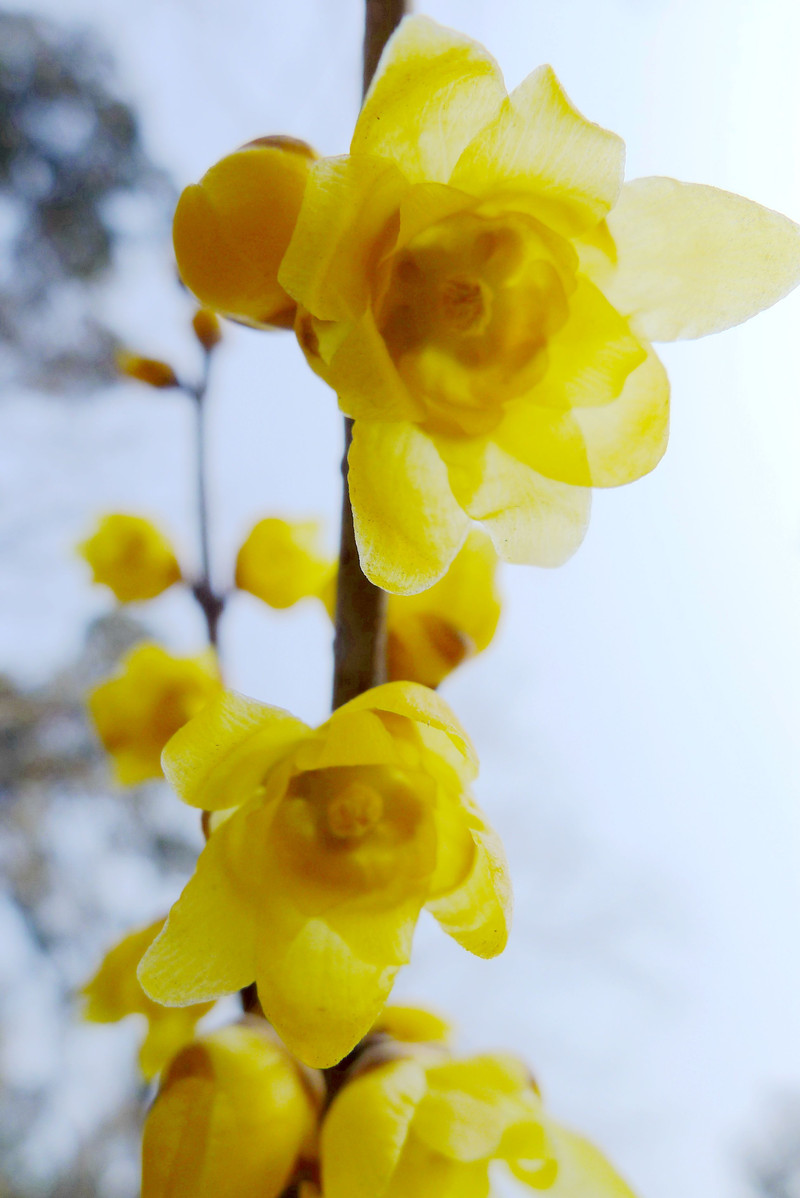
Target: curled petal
(693, 260)
(220, 758)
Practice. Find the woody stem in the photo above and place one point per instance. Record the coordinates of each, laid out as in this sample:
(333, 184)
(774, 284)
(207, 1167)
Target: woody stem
(211, 604)
(359, 650)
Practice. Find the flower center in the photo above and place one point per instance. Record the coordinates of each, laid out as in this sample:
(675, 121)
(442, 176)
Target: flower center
(466, 308)
(353, 811)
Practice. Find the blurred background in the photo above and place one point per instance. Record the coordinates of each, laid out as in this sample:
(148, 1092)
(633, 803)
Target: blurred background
(637, 715)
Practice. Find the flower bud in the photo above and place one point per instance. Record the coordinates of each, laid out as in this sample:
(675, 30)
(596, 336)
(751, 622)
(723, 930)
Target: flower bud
(233, 1117)
(232, 229)
(207, 328)
(151, 371)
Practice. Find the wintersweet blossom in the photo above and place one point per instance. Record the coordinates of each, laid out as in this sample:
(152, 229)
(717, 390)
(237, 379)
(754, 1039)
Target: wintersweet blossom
(481, 291)
(283, 561)
(429, 1127)
(333, 842)
(233, 1117)
(137, 711)
(131, 556)
(229, 244)
(114, 993)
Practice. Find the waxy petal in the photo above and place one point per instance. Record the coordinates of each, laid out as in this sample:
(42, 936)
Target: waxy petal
(693, 260)
(531, 519)
(366, 1130)
(477, 914)
(434, 90)
(408, 524)
(220, 758)
(207, 947)
(414, 702)
(539, 143)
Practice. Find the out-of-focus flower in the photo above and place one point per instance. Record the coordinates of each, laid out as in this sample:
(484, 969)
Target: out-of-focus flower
(429, 634)
(151, 371)
(154, 695)
(314, 884)
(283, 561)
(129, 555)
(229, 243)
(206, 328)
(233, 1117)
(114, 992)
(431, 1128)
(481, 291)
(412, 1024)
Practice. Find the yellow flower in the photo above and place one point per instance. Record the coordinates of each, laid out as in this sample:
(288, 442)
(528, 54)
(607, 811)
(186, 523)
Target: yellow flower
(412, 1024)
(431, 1128)
(233, 1117)
(229, 244)
(314, 883)
(114, 992)
(129, 555)
(429, 634)
(481, 290)
(282, 561)
(151, 371)
(137, 712)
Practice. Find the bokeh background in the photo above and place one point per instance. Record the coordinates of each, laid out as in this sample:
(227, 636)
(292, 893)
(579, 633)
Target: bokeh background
(638, 715)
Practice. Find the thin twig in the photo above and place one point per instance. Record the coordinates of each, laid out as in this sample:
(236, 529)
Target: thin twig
(211, 603)
(360, 641)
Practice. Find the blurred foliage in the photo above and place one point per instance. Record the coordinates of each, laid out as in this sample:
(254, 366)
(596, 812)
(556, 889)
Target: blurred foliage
(70, 157)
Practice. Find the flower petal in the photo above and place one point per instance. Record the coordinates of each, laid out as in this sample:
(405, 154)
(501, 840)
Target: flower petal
(414, 702)
(531, 519)
(207, 946)
(366, 1128)
(693, 260)
(540, 143)
(220, 758)
(582, 1168)
(477, 914)
(363, 374)
(433, 91)
(408, 525)
(347, 206)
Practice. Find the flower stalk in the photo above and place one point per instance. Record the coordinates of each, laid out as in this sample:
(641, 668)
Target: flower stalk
(359, 652)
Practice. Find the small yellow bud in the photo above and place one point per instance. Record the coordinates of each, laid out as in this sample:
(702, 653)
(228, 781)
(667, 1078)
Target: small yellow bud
(131, 556)
(207, 328)
(232, 229)
(151, 371)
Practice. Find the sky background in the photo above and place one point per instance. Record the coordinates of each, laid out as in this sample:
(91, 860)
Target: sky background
(637, 716)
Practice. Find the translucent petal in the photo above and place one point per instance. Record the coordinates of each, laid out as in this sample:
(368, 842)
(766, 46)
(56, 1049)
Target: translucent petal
(414, 702)
(477, 914)
(539, 143)
(366, 1128)
(347, 210)
(220, 758)
(693, 260)
(601, 446)
(207, 947)
(434, 90)
(422, 1173)
(408, 525)
(582, 1169)
(364, 377)
(531, 519)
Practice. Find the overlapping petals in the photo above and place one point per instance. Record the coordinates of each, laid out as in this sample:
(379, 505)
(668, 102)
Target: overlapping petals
(328, 845)
(234, 1116)
(480, 289)
(429, 1127)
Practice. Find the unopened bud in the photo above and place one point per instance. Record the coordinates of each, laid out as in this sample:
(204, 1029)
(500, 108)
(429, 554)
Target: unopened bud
(151, 371)
(207, 329)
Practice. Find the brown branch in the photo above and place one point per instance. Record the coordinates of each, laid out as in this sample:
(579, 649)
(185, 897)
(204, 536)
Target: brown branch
(360, 642)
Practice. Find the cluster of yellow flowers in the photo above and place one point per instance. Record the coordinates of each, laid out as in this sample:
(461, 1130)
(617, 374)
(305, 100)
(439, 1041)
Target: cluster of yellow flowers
(481, 291)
